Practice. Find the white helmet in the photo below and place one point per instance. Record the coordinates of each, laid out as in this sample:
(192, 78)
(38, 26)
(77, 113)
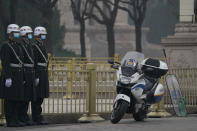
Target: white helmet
(40, 31)
(25, 30)
(13, 28)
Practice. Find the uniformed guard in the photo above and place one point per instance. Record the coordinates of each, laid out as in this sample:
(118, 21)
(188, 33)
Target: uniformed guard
(41, 74)
(29, 73)
(12, 89)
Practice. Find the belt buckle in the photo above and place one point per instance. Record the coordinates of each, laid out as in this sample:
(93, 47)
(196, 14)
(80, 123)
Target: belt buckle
(20, 65)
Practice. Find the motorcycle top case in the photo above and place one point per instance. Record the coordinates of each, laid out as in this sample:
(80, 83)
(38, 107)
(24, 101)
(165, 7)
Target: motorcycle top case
(154, 68)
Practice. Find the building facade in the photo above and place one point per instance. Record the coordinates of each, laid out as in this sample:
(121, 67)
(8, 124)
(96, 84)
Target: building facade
(181, 48)
(96, 43)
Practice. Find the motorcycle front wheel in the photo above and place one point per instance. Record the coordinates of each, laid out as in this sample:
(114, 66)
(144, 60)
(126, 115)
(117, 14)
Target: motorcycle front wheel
(119, 109)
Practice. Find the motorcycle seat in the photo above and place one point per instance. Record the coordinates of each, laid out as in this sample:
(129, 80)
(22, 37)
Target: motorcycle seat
(149, 84)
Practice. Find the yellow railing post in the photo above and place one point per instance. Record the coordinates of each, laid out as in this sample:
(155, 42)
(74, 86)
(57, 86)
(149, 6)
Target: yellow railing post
(91, 115)
(158, 110)
(69, 80)
(2, 115)
(2, 118)
(194, 18)
(50, 61)
(116, 58)
(49, 56)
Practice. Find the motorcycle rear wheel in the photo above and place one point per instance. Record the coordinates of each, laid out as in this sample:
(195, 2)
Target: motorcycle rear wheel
(140, 116)
(118, 111)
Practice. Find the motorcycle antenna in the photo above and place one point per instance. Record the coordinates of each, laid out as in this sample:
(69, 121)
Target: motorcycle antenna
(164, 53)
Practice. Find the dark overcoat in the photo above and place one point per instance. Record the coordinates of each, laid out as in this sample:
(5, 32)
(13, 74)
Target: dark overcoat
(8, 57)
(41, 72)
(29, 72)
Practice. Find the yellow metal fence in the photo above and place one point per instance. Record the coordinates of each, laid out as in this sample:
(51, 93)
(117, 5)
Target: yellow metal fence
(75, 81)
(70, 87)
(187, 79)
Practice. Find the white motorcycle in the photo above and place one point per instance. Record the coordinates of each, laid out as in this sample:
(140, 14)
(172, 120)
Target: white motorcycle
(137, 87)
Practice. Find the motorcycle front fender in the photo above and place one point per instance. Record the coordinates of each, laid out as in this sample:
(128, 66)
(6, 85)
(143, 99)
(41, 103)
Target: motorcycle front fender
(123, 97)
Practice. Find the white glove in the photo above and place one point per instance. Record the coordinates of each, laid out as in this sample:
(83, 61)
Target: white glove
(37, 81)
(8, 82)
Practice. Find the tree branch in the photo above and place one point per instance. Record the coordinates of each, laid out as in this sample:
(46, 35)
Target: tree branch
(101, 12)
(97, 19)
(36, 4)
(85, 9)
(115, 10)
(75, 11)
(53, 3)
(108, 7)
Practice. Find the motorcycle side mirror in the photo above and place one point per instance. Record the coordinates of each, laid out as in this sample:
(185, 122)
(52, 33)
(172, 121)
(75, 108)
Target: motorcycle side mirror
(117, 63)
(111, 61)
(114, 66)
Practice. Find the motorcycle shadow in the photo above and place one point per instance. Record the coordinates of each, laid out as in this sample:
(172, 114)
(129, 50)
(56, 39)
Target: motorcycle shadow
(154, 121)
(129, 121)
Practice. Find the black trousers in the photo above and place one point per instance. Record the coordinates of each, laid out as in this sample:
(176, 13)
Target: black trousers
(23, 109)
(11, 111)
(37, 110)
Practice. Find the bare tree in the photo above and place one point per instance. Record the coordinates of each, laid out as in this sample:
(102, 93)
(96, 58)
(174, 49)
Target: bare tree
(46, 8)
(105, 12)
(8, 18)
(13, 8)
(136, 10)
(79, 10)
(4, 19)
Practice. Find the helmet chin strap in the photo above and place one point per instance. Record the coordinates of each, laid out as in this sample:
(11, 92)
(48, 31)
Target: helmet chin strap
(11, 37)
(39, 40)
(25, 40)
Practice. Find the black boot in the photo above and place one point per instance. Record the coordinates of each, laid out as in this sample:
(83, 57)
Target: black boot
(11, 114)
(21, 124)
(43, 122)
(37, 111)
(15, 124)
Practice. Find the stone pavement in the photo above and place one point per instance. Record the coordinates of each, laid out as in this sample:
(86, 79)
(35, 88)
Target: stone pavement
(151, 124)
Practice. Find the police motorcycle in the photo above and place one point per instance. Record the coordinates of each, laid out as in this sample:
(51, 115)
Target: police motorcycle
(137, 86)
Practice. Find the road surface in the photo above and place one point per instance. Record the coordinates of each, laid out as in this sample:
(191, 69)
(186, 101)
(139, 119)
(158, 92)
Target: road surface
(151, 124)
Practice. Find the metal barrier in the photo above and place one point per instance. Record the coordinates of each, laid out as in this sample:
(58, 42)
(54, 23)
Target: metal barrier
(63, 83)
(69, 85)
(188, 85)
(2, 116)
(105, 87)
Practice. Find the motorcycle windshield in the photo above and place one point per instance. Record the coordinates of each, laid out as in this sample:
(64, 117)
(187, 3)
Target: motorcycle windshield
(129, 63)
(176, 97)
(133, 55)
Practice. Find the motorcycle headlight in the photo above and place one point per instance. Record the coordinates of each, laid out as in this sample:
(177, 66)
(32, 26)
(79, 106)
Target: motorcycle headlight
(125, 80)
